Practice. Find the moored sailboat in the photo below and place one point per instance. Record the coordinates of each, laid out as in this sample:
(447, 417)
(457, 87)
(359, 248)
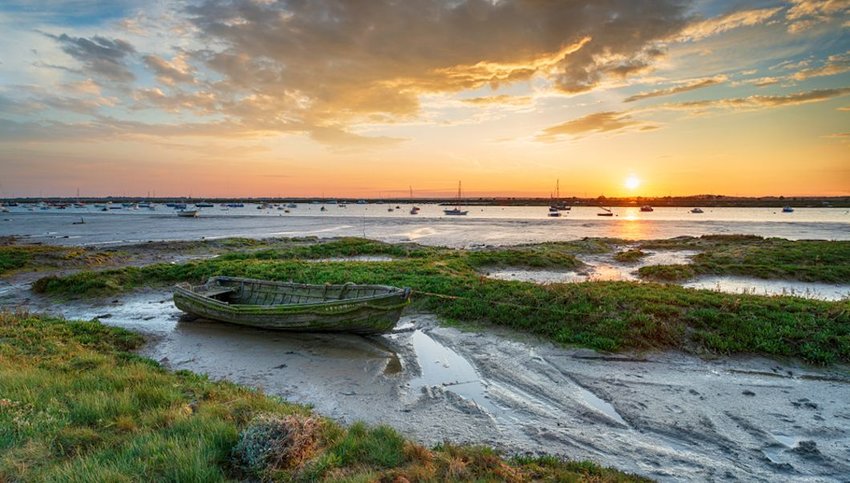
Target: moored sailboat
(457, 211)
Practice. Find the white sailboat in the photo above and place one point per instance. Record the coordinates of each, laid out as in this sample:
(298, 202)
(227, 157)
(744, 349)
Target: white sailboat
(557, 204)
(456, 211)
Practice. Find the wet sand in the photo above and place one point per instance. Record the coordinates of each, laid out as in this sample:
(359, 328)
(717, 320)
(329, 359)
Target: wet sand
(667, 416)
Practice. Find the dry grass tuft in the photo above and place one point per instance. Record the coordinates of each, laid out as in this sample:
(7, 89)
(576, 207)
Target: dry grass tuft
(272, 443)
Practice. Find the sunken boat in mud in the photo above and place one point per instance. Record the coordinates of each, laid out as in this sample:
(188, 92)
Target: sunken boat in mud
(359, 309)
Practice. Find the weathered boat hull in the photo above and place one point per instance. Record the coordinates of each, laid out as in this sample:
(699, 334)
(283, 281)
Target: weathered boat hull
(360, 309)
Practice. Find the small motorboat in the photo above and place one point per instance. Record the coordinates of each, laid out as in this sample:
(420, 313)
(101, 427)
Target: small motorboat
(555, 214)
(697, 210)
(646, 208)
(414, 210)
(455, 212)
(787, 209)
(188, 213)
(360, 309)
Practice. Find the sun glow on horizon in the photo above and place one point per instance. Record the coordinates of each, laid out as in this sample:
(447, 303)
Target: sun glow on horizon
(632, 182)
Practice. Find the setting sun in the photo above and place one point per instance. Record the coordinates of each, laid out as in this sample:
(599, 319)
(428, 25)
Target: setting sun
(632, 182)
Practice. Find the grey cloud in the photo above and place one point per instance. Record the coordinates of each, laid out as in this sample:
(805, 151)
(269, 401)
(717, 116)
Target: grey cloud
(99, 55)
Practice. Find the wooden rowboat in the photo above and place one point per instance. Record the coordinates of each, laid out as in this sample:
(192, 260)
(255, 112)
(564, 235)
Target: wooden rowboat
(360, 309)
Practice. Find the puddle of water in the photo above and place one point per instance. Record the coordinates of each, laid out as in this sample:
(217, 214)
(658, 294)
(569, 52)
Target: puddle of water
(773, 453)
(754, 286)
(789, 441)
(537, 276)
(443, 367)
(600, 405)
(667, 257)
(599, 268)
(605, 272)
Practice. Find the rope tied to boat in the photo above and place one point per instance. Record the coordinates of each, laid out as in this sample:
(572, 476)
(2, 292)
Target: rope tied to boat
(494, 302)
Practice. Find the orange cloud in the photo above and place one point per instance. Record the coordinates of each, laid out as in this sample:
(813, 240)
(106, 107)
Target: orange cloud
(763, 102)
(713, 26)
(593, 123)
(686, 87)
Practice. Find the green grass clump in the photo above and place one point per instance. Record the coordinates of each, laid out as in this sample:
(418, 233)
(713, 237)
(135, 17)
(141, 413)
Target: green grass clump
(629, 256)
(534, 257)
(75, 405)
(12, 258)
(39, 257)
(343, 247)
(667, 273)
(808, 261)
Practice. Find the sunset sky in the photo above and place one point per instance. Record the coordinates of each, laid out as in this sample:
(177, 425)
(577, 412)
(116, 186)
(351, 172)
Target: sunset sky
(365, 98)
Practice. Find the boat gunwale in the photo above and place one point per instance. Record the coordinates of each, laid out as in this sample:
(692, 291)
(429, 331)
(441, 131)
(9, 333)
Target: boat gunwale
(392, 292)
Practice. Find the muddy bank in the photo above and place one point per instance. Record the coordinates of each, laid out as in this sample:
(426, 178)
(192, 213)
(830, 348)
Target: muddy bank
(667, 416)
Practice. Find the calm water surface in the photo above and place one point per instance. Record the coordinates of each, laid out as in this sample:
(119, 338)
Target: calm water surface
(492, 225)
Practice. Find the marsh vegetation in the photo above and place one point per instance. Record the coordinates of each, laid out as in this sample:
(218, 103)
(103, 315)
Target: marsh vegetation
(610, 316)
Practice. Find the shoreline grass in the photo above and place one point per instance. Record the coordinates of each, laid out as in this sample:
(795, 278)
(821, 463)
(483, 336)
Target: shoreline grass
(77, 405)
(608, 316)
(754, 256)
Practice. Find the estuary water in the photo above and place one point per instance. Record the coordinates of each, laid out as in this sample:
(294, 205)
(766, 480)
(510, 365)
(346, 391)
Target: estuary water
(484, 225)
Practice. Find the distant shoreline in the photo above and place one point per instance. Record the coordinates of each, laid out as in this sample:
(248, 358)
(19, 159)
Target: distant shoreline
(666, 201)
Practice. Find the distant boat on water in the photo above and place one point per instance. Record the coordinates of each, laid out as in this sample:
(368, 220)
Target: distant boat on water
(605, 212)
(556, 203)
(787, 209)
(204, 205)
(188, 213)
(697, 210)
(554, 214)
(646, 208)
(457, 211)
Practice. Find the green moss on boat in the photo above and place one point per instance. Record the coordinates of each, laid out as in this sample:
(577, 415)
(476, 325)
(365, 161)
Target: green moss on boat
(360, 309)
